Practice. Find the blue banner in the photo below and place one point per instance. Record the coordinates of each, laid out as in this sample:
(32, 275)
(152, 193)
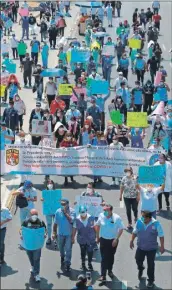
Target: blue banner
(80, 56)
(51, 201)
(99, 87)
(151, 175)
(8, 24)
(2, 140)
(33, 239)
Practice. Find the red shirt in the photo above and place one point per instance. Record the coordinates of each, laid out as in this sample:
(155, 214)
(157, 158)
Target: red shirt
(156, 18)
(68, 143)
(57, 105)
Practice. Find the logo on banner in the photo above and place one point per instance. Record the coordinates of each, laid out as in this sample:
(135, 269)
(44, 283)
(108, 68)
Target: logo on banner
(12, 157)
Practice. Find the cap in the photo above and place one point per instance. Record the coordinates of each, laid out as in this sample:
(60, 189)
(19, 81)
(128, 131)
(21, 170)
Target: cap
(73, 105)
(27, 184)
(82, 209)
(128, 169)
(65, 200)
(120, 73)
(38, 104)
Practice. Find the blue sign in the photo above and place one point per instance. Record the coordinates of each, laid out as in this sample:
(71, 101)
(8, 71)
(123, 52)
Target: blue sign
(99, 87)
(2, 140)
(156, 97)
(80, 56)
(10, 66)
(33, 239)
(169, 102)
(51, 201)
(8, 24)
(151, 175)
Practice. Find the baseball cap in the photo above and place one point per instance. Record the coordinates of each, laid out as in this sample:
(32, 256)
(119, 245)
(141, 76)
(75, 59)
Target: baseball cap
(11, 102)
(82, 209)
(65, 200)
(27, 184)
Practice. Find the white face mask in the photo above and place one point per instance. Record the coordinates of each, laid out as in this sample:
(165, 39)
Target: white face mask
(34, 218)
(68, 138)
(89, 190)
(50, 186)
(58, 114)
(72, 108)
(86, 126)
(115, 141)
(128, 174)
(84, 214)
(22, 139)
(158, 126)
(149, 188)
(110, 127)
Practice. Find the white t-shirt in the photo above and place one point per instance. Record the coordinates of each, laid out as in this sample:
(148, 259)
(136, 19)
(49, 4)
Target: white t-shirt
(149, 199)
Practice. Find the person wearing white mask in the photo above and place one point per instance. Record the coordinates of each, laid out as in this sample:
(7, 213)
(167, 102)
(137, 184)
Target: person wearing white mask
(49, 218)
(22, 139)
(129, 192)
(34, 222)
(20, 107)
(119, 80)
(90, 191)
(117, 145)
(86, 236)
(149, 196)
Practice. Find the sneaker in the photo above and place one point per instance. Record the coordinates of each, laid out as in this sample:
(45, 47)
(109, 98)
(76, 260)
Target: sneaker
(90, 267)
(37, 278)
(2, 262)
(68, 268)
(140, 273)
(48, 241)
(31, 270)
(102, 279)
(168, 207)
(150, 285)
(83, 267)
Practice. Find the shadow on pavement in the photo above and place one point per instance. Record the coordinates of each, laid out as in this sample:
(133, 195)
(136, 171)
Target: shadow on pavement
(6, 270)
(43, 284)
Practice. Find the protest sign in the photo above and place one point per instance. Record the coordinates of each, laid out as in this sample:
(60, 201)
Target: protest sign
(151, 175)
(78, 92)
(134, 43)
(8, 24)
(2, 141)
(116, 117)
(68, 56)
(51, 201)
(137, 119)
(108, 49)
(99, 87)
(23, 12)
(10, 66)
(4, 78)
(92, 203)
(41, 128)
(156, 97)
(2, 90)
(158, 78)
(33, 239)
(80, 56)
(65, 89)
(161, 94)
(96, 161)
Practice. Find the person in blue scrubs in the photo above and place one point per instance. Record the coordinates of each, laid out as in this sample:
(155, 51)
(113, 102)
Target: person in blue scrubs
(45, 54)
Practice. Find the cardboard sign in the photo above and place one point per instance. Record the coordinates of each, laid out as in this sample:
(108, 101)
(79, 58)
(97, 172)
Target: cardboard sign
(92, 203)
(41, 128)
(116, 117)
(137, 119)
(80, 56)
(2, 90)
(134, 43)
(51, 201)
(8, 24)
(33, 239)
(158, 78)
(23, 12)
(65, 89)
(108, 49)
(151, 175)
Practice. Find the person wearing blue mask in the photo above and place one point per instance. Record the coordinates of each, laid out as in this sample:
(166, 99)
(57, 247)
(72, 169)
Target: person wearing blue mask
(86, 236)
(140, 67)
(64, 219)
(109, 229)
(137, 97)
(35, 49)
(147, 230)
(123, 65)
(162, 90)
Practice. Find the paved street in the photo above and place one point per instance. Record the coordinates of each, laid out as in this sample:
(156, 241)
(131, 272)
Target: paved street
(15, 274)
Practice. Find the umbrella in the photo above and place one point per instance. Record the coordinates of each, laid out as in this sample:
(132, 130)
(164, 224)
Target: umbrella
(54, 72)
(100, 34)
(93, 4)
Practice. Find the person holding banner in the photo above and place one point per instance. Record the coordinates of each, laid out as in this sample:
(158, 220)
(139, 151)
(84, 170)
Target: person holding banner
(148, 197)
(64, 220)
(128, 190)
(86, 236)
(33, 223)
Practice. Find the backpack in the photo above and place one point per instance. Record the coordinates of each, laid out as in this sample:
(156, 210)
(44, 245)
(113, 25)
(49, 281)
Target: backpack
(21, 202)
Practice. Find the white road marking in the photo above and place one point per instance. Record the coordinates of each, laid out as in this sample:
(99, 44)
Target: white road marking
(124, 284)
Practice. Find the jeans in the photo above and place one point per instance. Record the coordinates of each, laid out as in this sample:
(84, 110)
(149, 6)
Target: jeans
(131, 203)
(49, 219)
(34, 56)
(43, 35)
(140, 257)
(140, 75)
(24, 213)
(21, 121)
(107, 255)
(107, 74)
(32, 28)
(65, 248)
(167, 195)
(86, 249)
(34, 258)
(2, 243)
(40, 91)
(15, 52)
(118, 12)
(25, 30)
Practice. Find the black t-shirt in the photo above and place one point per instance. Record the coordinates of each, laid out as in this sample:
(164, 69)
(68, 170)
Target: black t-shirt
(33, 225)
(153, 64)
(27, 65)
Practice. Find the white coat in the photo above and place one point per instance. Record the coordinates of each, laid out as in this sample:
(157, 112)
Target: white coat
(168, 179)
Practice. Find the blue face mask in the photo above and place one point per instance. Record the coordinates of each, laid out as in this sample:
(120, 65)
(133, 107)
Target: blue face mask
(106, 213)
(62, 207)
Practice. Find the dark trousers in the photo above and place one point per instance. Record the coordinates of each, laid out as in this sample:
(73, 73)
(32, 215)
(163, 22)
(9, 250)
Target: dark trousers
(140, 257)
(36, 140)
(21, 121)
(86, 250)
(107, 255)
(21, 58)
(25, 31)
(137, 108)
(34, 258)
(61, 31)
(167, 195)
(34, 56)
(14, 16)
(2, 243)
(15, 52)
(125, 73)
(27, 78)
(67, 103)
(152, 74)
(140, 75)
(148, 103)
(50, 98)
(52, 42)
(102, 121)
(131, 203)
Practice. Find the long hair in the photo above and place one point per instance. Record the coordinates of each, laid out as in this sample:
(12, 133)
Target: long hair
(11, 77)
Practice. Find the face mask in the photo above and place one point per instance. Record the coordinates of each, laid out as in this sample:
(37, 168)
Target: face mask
(99, 97)
(110, 127)
(106, 213)
(68, 138)
(72, 122)
(22, 139)
(50, 186)
(72, 108)
(34, 218)
(128, 174)
(119, 101)
(89, 190)
(58, 114)
(161, 161)
(149, 189)
(50, 81)
(161, 84)
(84, 214)
(158, 126)
(115, 141)
(46, 115)
(61, 130)
(86, 126)
(62, 207)
(170, 115)
(102, 138)
(12, 81)
(17, 99)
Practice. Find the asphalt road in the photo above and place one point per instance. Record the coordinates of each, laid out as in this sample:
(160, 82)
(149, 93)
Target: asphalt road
(15, 274)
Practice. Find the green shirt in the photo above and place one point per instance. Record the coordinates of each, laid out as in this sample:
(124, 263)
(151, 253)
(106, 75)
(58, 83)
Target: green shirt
(22, 47)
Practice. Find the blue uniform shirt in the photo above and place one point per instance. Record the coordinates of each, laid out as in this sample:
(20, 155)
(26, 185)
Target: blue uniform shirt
(64, 226)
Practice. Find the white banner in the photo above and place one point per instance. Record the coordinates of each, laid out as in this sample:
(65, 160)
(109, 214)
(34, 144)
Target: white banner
(98, 161)
(92, 203)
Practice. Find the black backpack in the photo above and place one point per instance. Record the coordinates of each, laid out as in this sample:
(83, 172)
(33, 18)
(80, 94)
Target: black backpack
(21, 202)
